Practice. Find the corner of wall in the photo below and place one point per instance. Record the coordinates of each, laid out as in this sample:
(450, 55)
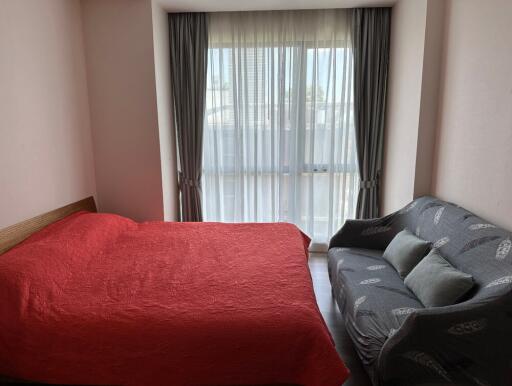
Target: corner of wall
(166, 131)
(412, 111)
(429, 104)
(403, 103)
(89, 121)
(123, 107)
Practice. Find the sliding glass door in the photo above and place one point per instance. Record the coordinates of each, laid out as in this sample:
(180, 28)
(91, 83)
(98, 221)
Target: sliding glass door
(278, 135)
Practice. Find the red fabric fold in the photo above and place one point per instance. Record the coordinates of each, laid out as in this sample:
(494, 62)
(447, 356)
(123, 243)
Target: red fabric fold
(100, 299)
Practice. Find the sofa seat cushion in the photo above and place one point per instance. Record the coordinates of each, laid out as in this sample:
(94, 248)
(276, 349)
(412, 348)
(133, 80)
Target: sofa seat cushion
(371, 296)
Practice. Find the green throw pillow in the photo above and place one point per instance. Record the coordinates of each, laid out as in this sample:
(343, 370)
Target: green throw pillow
(405, 251)
(436, 283)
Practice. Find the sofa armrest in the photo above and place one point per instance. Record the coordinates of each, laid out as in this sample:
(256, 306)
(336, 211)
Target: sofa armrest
(461, 344)
(373, 233)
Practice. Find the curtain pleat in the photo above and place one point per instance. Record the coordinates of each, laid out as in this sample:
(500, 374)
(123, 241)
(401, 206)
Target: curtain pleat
(279, 140)
(188, 39)
(370, 41)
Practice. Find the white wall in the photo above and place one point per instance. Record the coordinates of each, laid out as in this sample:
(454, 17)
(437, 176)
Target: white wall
(415, 57)
(165, 120)
(122, 97)
(403, 102)
(427, 127)
(473, 165)
(45, 143)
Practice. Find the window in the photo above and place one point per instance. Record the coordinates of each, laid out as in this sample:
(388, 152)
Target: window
(278, 135)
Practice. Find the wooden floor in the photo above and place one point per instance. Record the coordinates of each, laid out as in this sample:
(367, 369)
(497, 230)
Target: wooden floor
(333, 319)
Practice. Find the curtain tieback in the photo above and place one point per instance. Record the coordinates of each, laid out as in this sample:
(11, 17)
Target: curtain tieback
(188, 181)
(368, 184)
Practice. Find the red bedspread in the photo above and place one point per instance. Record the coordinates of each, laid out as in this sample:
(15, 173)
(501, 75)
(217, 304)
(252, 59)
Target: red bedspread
(100, 299)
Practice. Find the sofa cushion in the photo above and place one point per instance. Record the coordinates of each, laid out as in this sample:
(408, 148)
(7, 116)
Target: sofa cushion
(436, 283)
(371, 296)
(405, 251)
(468, 242)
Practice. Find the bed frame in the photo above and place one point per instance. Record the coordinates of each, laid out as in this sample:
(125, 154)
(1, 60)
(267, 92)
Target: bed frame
(15, 234)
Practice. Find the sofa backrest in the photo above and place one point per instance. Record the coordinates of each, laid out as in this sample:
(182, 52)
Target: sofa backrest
(468, 242)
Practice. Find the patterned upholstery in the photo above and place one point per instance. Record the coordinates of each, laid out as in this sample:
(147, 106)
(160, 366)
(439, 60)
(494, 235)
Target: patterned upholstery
(399, 341)
(371, 296)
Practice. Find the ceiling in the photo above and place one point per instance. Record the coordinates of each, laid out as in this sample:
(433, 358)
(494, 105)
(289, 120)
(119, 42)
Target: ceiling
(254, 5)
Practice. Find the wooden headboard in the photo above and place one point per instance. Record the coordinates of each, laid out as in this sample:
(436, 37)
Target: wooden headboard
(16, 233)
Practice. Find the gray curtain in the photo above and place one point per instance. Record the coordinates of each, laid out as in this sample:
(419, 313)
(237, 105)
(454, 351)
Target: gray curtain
(370, 41)
(188, 39)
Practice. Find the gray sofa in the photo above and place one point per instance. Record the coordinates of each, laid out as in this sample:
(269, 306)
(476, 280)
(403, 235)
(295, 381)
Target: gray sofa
(399, 341)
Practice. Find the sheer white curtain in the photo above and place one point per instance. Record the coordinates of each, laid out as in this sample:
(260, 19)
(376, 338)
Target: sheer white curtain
(278, 136)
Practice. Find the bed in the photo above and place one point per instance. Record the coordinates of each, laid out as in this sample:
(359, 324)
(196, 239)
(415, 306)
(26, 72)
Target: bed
(93, 298)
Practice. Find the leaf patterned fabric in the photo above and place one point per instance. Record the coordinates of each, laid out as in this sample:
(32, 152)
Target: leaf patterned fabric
(402, 343)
